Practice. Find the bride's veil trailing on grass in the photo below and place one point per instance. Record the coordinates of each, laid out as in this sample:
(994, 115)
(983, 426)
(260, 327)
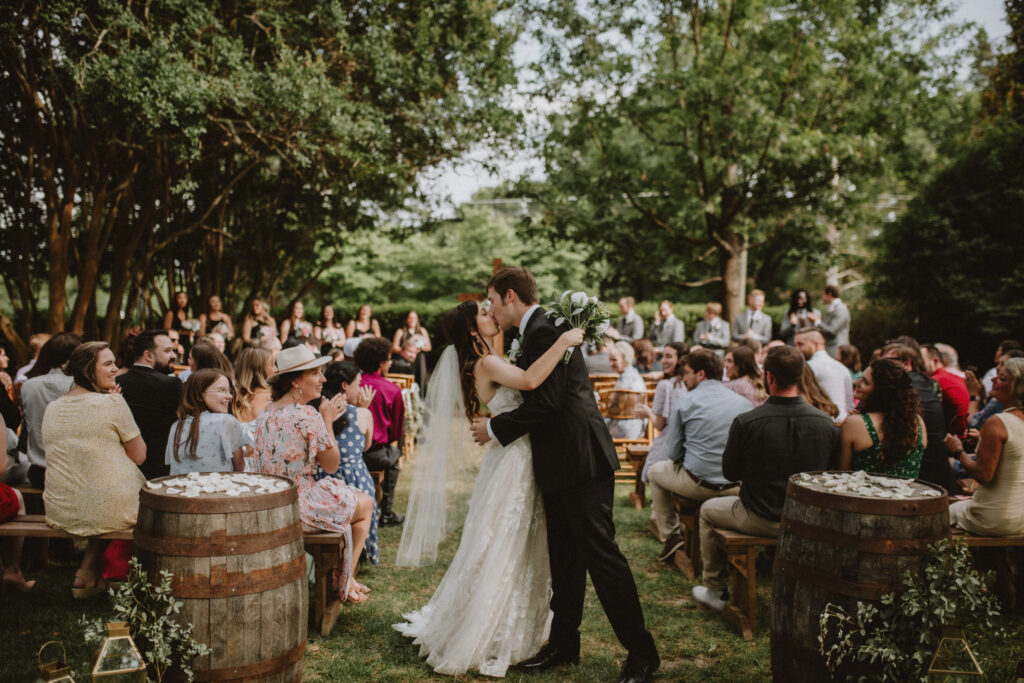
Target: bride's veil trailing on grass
(443, 446)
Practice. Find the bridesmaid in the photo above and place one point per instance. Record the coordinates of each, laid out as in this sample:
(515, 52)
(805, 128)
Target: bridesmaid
(364, 323)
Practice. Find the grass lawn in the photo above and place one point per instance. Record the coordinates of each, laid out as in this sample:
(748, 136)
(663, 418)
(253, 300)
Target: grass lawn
(695, 644)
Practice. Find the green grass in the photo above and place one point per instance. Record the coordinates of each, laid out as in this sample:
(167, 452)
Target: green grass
(695, 645)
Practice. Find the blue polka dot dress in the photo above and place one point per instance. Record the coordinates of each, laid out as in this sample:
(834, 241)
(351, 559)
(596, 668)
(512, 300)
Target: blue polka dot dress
(352, 470)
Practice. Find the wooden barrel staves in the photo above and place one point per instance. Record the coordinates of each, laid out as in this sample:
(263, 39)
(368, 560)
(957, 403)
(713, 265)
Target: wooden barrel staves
(843, 547)
(239, 569)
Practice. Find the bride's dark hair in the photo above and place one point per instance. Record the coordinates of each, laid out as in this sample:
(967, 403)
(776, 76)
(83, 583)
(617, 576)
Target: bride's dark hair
(460, 329)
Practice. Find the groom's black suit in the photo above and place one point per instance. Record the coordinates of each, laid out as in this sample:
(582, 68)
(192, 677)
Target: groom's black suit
(574, 462)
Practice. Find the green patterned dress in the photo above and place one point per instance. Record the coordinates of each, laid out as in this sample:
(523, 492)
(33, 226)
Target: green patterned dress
(870, 459)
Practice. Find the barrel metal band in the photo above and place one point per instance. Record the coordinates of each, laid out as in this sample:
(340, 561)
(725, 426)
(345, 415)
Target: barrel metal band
(881, 546)
(828, 500)
(854, 589)
(224, 584)
(218, 543)
(263, 669)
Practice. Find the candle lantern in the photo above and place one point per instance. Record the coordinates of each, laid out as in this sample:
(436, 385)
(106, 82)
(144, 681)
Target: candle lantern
(53, 671)
(119, 660)
(953, 659)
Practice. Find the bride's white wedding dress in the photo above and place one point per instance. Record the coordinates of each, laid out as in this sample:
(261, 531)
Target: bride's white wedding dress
(491, 608)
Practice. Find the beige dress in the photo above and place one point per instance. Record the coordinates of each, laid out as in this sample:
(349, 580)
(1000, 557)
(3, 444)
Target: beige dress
(91, 485)
(995, 509)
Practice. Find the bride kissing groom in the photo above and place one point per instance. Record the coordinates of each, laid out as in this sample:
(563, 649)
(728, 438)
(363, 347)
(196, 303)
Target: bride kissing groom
(498, 583)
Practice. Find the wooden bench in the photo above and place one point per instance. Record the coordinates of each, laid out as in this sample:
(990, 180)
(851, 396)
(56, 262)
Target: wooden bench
(636, 455)
(687, 558)
(323, 546)
(741, 553)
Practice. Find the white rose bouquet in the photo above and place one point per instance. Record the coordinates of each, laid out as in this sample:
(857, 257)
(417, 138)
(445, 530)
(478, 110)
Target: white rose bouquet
(580, 311)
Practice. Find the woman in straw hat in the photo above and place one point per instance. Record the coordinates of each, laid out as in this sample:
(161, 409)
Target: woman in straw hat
(292, 439)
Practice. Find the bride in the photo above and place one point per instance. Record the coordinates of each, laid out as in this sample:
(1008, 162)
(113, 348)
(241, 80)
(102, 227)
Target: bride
(491, 608)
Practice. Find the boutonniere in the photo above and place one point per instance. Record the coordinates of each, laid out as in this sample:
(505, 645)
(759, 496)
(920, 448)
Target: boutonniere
(516, 349)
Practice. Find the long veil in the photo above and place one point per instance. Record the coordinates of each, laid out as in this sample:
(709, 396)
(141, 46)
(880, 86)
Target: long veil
(441, 448)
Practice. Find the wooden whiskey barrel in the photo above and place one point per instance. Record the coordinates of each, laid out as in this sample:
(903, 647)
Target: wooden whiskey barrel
(240, 571)
(841, 548)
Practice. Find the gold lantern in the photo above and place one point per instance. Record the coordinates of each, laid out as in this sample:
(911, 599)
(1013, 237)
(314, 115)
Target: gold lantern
(119, 660)
(953, 659)
(52, 671)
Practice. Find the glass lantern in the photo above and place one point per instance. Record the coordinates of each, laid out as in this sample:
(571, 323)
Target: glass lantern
(953, 659)
(52, 671)
(119, 660)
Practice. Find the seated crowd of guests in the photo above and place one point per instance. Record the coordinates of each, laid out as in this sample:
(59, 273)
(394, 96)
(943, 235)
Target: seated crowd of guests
(95, 432)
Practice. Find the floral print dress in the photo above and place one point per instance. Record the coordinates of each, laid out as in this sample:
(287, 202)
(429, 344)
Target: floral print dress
(287, 441)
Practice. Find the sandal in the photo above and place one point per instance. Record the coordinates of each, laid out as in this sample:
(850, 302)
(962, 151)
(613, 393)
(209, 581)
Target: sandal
(354, 594)
(98, 585)
(365, 590)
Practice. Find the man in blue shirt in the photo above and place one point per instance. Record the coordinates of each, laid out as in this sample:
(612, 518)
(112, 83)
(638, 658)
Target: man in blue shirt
(695, 437)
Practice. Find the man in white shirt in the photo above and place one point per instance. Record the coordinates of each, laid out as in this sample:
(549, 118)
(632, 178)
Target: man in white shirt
(753, 323)
(833, 376)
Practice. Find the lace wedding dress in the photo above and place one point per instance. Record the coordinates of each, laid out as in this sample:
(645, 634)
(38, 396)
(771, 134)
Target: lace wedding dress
(491, 608)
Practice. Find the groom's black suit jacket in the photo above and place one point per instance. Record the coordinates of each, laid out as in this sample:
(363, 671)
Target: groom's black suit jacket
(569, 439)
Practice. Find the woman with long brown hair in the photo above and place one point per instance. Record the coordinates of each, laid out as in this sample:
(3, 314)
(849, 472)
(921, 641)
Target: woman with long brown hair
(886, 434)
(815, 395)
(491, 608)
(743, 375)
(206, 437)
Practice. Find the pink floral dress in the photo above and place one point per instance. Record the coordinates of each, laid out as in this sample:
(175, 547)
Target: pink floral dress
(287, 441)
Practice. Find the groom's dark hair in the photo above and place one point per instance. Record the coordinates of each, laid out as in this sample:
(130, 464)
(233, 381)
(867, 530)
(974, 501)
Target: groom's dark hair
(519, 280)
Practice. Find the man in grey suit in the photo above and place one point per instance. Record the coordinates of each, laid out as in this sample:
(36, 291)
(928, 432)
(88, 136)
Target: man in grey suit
(713, 332)
(835, 322)
(753, 322)
(630, 326)
(667, 328)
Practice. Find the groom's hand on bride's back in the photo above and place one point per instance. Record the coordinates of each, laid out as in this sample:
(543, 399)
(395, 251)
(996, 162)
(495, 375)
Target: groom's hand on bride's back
(479, 430)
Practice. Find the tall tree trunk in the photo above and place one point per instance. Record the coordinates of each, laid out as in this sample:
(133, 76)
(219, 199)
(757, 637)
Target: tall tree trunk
(733, 254)
(20, 353)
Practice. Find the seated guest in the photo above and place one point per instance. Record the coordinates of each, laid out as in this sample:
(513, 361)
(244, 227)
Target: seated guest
(765, 447)
(405, 362)
(850, 357)
(93, 450)
(293, 439)
(814, 395)
(950, 359)
(216, 339)
(832, 375)
(205, 355)
(206, 437)
(215, 321)
(621, 359)
(935, 465)
(35, 343)
(667, 328)
(646, 359)
(596, 357)
(373, 356)
(353, 430)
(995, 509)
(886, 435)
(666, 395)
(328, 329)
(697, 432)
(363, 323)
(153, 394)
(743, 375)
(252, 389)
(46, 383)
(753, 323)
(712, 332)
(126, 354)
(258, 323)
(954, 396)
(6, 381)
(12, 505)
(1004, 346)
(800, 316)
(630, 326)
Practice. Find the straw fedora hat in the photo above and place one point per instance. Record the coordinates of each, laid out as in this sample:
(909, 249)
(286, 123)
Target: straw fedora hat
(297, 359)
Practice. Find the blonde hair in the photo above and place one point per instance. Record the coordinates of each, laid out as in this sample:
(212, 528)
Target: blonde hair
(714, 307)
(250, 375)
(626, 349)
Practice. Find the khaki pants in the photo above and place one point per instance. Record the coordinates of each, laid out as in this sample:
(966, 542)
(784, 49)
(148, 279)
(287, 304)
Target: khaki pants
(726, 513)
(665, 479)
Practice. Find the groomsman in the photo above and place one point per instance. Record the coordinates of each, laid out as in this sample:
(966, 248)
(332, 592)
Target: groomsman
(667, 328)
(713, 332)
(835, 322)
(630, 326)
(753, 323)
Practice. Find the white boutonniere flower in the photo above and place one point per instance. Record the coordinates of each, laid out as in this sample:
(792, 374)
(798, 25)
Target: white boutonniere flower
(516, 349)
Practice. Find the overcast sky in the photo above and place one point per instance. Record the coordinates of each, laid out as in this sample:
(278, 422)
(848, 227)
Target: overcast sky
(456, 183)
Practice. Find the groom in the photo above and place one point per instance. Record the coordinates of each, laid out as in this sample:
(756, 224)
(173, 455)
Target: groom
(574, 463)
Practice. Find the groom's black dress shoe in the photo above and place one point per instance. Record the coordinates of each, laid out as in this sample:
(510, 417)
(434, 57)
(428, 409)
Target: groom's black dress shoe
(549, 657)
(391, 519)
(635, 671)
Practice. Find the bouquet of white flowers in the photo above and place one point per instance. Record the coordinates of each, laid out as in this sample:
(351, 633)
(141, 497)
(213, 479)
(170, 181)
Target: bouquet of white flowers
(580, 311)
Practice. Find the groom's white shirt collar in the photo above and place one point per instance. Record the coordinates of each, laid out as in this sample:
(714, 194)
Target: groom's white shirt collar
(524, 321)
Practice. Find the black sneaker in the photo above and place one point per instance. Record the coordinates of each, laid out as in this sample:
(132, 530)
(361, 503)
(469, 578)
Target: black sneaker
(391, 519)
(674, 543)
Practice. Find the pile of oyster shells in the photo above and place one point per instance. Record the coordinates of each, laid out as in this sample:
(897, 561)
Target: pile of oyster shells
(861, 483)
(195, 484)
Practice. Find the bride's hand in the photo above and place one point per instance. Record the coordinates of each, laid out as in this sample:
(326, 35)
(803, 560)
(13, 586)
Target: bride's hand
(573, 337)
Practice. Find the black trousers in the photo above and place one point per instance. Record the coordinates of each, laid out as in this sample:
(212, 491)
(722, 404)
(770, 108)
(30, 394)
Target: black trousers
(581, 539)
(384, 457)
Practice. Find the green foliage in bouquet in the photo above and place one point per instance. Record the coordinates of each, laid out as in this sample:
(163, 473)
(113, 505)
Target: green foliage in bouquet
(582, 312)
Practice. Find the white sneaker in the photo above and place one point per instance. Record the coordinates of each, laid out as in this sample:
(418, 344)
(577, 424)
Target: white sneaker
(708, 597)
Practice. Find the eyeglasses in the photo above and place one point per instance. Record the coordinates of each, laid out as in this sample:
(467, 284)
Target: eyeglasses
(228, 392)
